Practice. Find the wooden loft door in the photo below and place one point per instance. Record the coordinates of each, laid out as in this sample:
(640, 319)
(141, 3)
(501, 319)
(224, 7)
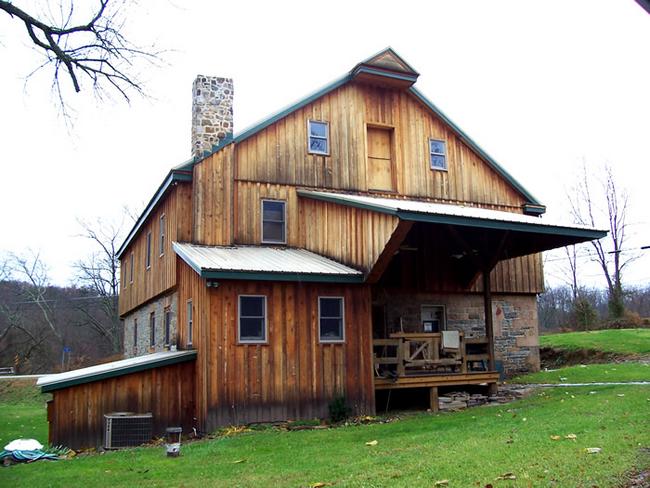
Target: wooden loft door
(380, 159)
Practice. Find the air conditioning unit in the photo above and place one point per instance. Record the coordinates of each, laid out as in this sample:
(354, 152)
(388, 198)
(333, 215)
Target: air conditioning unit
(127, 429)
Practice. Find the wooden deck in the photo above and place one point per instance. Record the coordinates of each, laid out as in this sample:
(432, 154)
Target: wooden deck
(436, 380)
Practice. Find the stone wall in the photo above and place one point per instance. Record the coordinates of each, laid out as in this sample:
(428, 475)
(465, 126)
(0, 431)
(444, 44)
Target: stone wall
(142, 345)
(516, 341)
(212, 118)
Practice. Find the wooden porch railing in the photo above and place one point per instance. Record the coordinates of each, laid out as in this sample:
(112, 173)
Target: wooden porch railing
(421, 353)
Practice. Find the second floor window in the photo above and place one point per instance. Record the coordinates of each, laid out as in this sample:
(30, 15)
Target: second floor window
(274, 221)
(131, 270)
(437, 154)
(152, 329)
(318, 135)
(147, 259)
(252, 318)
(162, 235)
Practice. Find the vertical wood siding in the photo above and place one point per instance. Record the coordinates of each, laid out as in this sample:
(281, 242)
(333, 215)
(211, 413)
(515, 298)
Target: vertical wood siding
(76, 414)
(293, 375)
(213, 199)
(149, 283)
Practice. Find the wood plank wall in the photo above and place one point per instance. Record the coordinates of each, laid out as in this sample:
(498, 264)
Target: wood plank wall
(278, 154)
(76, 414)
(213, 199)
(149, 283)
(293, 376)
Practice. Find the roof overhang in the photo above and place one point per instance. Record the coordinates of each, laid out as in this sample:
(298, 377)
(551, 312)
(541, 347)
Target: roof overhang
(264, 263)
(172, 178)
(113, 369)
(528, 234)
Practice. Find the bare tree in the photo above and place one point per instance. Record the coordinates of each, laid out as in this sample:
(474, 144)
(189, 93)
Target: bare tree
(100, 273)
(587, 208)
(83, 43)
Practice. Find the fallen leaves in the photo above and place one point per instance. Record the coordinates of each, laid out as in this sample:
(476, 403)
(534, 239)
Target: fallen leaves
(556, 437)
(506, 476)
(239, 461)
(319, 484)
(593, 450)
(571, 437)
(372, 443)
(441, 483)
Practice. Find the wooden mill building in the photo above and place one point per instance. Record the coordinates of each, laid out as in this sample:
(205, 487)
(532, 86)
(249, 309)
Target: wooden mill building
(350, 244)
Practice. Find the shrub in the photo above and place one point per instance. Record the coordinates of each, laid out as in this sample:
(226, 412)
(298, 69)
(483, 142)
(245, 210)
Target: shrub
(338, 409)
(585, 314)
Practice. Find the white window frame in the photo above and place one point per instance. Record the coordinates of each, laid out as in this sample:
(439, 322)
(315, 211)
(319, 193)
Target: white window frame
(326, 138)
(162, 222)
(443, 154)
(190, 321)
(284, 220)
(265, 317)
(443, 326)
(147, 257)
(320, 335)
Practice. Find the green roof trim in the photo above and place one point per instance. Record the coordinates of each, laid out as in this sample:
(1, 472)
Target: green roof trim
(468, 140)
(157, 363)
(292, 108)
(387, 74)
(173, 176)
(274, 276)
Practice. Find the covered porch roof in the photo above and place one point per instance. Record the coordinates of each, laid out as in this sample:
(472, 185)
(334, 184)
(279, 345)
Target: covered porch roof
(518, 234)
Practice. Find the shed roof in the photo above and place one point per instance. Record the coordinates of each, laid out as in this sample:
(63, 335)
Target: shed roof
(264, 263)
(110, 370)
(443, 213)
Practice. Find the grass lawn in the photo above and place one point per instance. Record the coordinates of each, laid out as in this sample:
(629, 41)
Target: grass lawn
(589, 373)
(469, 448)
(22, 412)
(620, 341)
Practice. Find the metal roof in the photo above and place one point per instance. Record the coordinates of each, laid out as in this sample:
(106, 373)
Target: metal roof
(263, 263)
(112, 369)
(456, 214)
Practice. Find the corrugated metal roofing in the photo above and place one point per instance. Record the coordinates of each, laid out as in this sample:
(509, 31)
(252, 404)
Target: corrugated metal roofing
(260, 259)
(115, 368)
(411, 208)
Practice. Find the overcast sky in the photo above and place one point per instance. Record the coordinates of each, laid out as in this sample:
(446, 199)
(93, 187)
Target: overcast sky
(541, 86)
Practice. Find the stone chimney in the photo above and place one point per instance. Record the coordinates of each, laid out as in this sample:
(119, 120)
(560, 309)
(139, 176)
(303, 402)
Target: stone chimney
(211, 113)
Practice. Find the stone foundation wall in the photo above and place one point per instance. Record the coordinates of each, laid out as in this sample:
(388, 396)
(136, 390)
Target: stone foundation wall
(142, 344)
(516, 343)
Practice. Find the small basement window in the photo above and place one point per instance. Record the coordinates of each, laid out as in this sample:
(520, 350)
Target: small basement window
(437, 154)
(252, 318)
(168, 325)
(274, 223)
(331, 319)
(152, 329)
(318, 137)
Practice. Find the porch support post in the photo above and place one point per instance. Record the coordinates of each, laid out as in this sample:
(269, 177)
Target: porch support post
(433, 398)
(489, 326)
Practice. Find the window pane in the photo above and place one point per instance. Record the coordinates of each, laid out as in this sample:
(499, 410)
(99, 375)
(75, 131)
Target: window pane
(437, 147)
(273, 231)
(438, 161)
(330, 307)
(251, 329)
(273, 210)
(317, 145)
(318, 129)
(330, 329)
(251, 306)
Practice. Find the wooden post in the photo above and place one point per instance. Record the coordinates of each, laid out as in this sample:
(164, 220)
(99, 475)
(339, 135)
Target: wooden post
(433, 398)
(489, 328)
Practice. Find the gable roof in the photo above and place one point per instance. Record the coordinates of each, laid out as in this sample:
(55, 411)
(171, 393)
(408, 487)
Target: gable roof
(264, 263)
(389, 64)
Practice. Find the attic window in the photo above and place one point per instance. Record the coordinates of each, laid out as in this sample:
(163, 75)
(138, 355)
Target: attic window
(318, 137)
(437, 154)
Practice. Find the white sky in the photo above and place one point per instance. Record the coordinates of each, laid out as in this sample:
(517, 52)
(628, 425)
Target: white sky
(539, 85)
